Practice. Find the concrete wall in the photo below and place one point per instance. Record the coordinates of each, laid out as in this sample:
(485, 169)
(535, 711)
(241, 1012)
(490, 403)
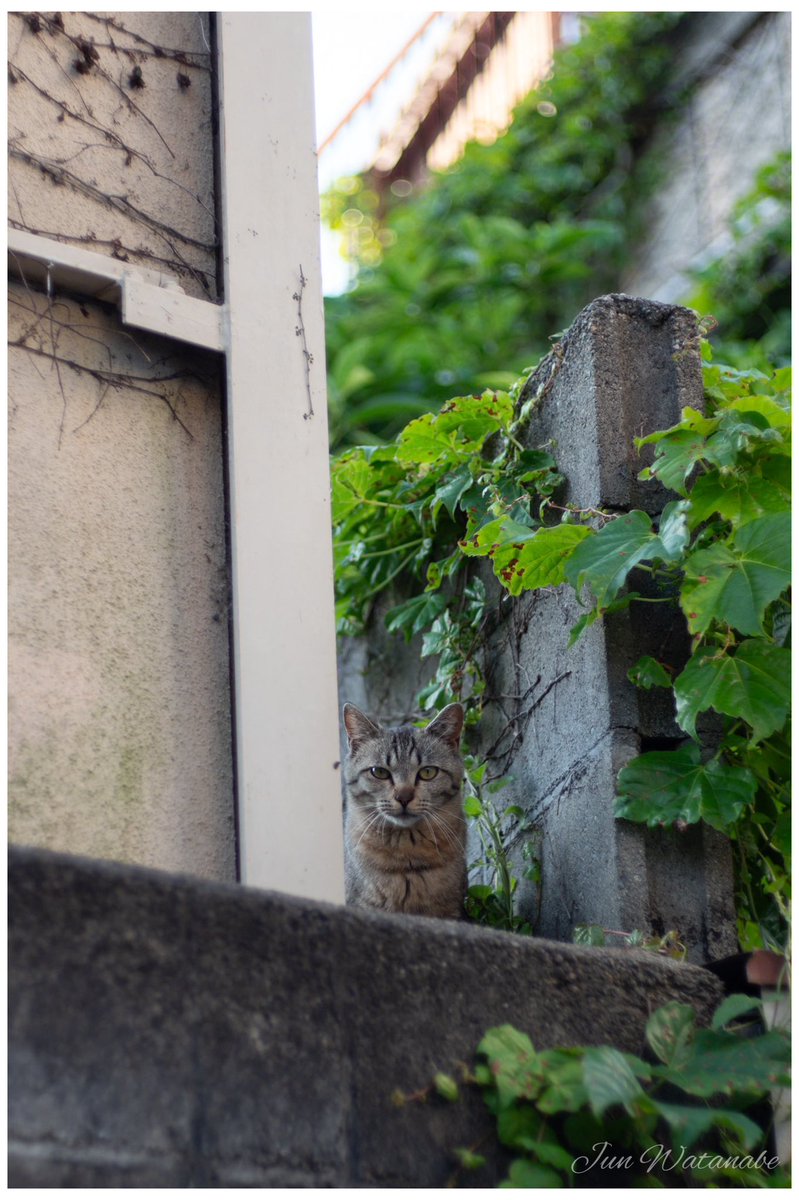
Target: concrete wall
(169, 1033)
(559, 721)
(708, 151)
(120, 742)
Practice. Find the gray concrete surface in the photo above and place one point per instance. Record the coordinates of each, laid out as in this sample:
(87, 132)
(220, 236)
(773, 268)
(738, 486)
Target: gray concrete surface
(167, 1032)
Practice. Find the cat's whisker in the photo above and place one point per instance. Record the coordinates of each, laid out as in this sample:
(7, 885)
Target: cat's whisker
(374, 819)
(432, 820)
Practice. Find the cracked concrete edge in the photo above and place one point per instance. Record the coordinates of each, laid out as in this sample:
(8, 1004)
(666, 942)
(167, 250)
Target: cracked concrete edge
(192, 1034)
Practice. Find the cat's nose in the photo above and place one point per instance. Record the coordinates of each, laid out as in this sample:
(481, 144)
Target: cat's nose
(404, 796)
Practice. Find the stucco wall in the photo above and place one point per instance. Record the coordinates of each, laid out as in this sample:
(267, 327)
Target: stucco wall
(110, 137)
(736, 120)
(119, 718)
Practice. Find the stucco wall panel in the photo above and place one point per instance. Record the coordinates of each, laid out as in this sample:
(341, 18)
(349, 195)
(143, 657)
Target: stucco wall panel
(110, 129)
(119, 718)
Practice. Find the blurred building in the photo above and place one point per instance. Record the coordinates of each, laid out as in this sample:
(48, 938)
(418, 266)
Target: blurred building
(490, 61)
(725, 114)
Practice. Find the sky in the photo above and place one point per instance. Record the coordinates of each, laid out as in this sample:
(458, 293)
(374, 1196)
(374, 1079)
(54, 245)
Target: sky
(351, 50)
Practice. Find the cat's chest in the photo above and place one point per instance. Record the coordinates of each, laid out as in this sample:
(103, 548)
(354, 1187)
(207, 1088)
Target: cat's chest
(409, 851)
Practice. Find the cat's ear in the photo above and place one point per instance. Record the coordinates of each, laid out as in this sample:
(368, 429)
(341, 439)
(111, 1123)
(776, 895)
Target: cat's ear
(448, 725)
(358, 726)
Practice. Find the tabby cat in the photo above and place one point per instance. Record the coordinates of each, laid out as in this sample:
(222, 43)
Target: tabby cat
(405, 831)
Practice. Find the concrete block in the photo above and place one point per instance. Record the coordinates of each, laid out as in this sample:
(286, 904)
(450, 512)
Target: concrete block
(625, 368)
(166, 1032)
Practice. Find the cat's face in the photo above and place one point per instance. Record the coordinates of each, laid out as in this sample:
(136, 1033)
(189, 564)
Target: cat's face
(401, 776)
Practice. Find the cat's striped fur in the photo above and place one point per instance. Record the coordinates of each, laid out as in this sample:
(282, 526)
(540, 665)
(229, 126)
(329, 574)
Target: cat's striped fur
(405, 831)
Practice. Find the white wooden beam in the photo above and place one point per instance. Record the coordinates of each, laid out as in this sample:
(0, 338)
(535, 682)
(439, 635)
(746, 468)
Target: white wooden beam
(151, 300)
(286, 716)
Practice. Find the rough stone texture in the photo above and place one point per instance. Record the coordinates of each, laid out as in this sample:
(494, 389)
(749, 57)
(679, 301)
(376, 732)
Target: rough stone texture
(735, 120)
(561, 721)
(625, 368)
(119, 712)
(171, 1033)
(109, 150)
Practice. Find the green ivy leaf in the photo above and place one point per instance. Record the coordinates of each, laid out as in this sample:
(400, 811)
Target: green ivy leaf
(564, 1087)
(688, 1123)
(736, 498)
(513, 1063)
(473, 808)
(673, 533)
(539, 560)
(609, 1080)
(777, 415)
(726, 1064)
(649, 673)
(446, 1087)
(735, 581)
(525, 1174)
(460, 428)
(551, 1154)
(452, 487)
(664, 786)
(414, 615)
(437, 572)
(605, 560)
(588, 935)
(733, 1007)
(493, 536)
(352, 480)
(677, 453)
(468, 1159)
(670, 1032)
(754, 684)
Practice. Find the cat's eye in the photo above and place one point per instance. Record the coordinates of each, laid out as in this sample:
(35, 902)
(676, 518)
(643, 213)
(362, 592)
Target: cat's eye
(428, 772)
(380, 772)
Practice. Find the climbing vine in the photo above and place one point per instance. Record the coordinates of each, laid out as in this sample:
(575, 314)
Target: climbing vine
(459, 489)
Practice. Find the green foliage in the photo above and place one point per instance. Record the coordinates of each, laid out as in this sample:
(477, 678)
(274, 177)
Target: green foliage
(748, 289)
(494, 903)
(668, 945)
(732, 467)
(597, 1116)
(399, 512)
(527, 230)
(458, 486)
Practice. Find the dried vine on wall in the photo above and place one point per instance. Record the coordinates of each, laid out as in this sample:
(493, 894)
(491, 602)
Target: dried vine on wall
(111, 140)
(111, 148)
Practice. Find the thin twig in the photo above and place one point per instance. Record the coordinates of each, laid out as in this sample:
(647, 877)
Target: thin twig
(300, 332)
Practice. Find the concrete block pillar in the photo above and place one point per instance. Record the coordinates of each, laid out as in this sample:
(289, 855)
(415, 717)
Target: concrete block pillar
(563, 721)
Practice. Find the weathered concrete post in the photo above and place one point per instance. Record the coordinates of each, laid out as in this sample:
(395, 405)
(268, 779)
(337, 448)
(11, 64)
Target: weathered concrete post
(567, 720)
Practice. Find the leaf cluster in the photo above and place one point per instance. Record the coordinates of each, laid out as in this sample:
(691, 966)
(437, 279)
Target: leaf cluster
(748, 288)
(400, 510)
(527, 230)
(594, 1116)
(494, 901)
(721, 552)
(459, 485)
